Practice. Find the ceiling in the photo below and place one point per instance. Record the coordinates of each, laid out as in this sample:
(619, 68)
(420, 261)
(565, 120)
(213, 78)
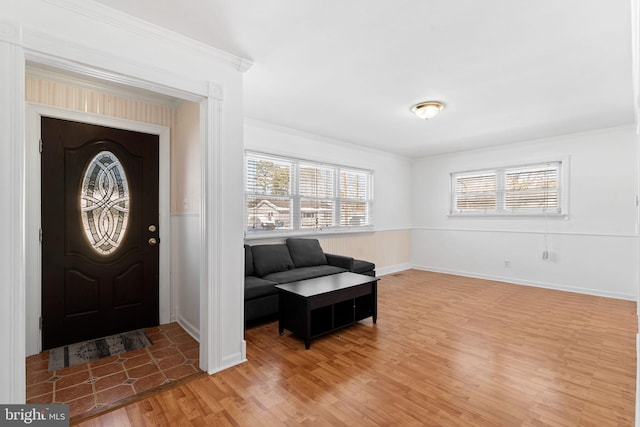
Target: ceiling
(507, 71)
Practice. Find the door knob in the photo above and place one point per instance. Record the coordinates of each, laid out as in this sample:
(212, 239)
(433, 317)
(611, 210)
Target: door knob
(152, 228)
(153, 241)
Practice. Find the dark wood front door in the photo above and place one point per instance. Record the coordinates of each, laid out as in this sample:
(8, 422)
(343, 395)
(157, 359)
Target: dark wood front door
(99, 231)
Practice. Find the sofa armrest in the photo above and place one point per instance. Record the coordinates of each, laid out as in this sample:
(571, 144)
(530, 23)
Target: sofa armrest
(342, 261)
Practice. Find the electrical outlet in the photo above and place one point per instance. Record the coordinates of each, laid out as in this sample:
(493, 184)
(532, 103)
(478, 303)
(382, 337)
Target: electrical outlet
(507, 264)
(545, 255)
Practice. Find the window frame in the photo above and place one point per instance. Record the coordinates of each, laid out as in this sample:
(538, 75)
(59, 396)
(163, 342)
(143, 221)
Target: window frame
(296, 198)
(562, 188)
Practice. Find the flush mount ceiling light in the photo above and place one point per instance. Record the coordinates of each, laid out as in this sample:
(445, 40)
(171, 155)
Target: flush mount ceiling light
(427, 110)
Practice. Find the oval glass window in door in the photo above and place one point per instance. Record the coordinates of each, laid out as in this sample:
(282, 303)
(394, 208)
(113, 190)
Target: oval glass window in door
(104, 202)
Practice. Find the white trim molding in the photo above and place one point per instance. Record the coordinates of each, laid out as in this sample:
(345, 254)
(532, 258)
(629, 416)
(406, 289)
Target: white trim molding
(12, 222)
(517, 281)
(210, 217)
(522, 231)
(10, 32)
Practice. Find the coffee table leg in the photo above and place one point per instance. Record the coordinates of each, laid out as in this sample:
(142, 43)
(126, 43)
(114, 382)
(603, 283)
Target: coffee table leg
(307, 326)
(280, 313)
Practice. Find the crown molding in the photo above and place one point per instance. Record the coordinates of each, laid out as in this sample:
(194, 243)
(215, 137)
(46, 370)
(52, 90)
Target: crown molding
(115, 18)
(249, 121)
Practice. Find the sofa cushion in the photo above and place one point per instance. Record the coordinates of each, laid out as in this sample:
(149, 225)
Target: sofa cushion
(304, 273)
(306, 252)
(360, 266)
(255, 287)
(248, 261)
(271, 259)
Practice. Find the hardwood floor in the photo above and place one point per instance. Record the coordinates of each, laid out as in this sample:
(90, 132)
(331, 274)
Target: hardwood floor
(446, 351)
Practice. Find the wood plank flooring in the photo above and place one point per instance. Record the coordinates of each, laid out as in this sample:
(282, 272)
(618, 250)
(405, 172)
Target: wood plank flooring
(446, 351)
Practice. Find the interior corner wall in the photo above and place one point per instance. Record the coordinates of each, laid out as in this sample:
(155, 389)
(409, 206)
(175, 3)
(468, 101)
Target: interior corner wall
(593, 250)
(388, 244)
(185, 218)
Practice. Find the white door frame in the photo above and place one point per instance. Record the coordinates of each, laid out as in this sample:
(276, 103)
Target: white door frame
(34, 112)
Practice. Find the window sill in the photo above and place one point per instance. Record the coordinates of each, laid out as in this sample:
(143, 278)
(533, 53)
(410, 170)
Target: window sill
(510, 215)
(316, 232)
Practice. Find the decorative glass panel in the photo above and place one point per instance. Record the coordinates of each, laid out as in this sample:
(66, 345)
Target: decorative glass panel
(104, 202)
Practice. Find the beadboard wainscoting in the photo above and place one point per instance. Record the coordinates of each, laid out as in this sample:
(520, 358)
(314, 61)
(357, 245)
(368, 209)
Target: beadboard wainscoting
(389, 250)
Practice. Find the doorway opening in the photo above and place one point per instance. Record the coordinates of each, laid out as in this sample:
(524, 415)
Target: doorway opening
(69, 96)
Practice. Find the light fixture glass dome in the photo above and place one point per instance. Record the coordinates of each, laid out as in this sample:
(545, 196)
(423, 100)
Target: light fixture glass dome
(427, 110)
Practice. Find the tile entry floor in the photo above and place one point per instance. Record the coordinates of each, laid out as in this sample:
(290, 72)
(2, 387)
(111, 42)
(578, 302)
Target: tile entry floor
(98, 385)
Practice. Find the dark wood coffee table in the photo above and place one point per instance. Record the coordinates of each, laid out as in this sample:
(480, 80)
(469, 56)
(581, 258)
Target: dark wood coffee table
(313, 307)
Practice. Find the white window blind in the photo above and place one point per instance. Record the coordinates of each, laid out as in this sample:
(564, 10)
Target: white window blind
(316, 187)
(532, 188)
(269, 193)
(287, 194)
(523, 190)
(475, 192)
(354, 198)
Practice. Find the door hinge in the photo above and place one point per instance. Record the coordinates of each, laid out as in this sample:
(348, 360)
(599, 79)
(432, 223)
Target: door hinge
(40, 145)
(40, 235)
(40, 323)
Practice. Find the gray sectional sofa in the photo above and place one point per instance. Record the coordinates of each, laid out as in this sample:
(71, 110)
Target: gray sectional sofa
(297, 259)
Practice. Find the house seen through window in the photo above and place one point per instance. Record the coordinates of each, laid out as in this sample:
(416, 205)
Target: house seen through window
(287, 194)
(535, 189)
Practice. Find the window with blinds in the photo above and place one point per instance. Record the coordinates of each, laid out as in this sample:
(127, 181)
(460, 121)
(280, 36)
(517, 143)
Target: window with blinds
(286, 194)
(523, 190)
(269, 193)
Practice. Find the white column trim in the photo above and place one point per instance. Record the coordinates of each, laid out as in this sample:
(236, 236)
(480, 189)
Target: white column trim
(12, 186)
(210, 357)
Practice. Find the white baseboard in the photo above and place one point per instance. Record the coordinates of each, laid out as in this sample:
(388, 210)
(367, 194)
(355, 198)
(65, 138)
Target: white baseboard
(392, 269)
(516, 281)
(189, 328)
(231, 360)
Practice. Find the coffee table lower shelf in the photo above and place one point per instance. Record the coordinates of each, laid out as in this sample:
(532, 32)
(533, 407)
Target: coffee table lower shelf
(315, 307)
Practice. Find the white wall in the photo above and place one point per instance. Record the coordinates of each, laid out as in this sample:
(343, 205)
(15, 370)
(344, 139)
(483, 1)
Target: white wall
(185, 272)
(185, 218)
(593, 250)
(635, 61)
(391, 172)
